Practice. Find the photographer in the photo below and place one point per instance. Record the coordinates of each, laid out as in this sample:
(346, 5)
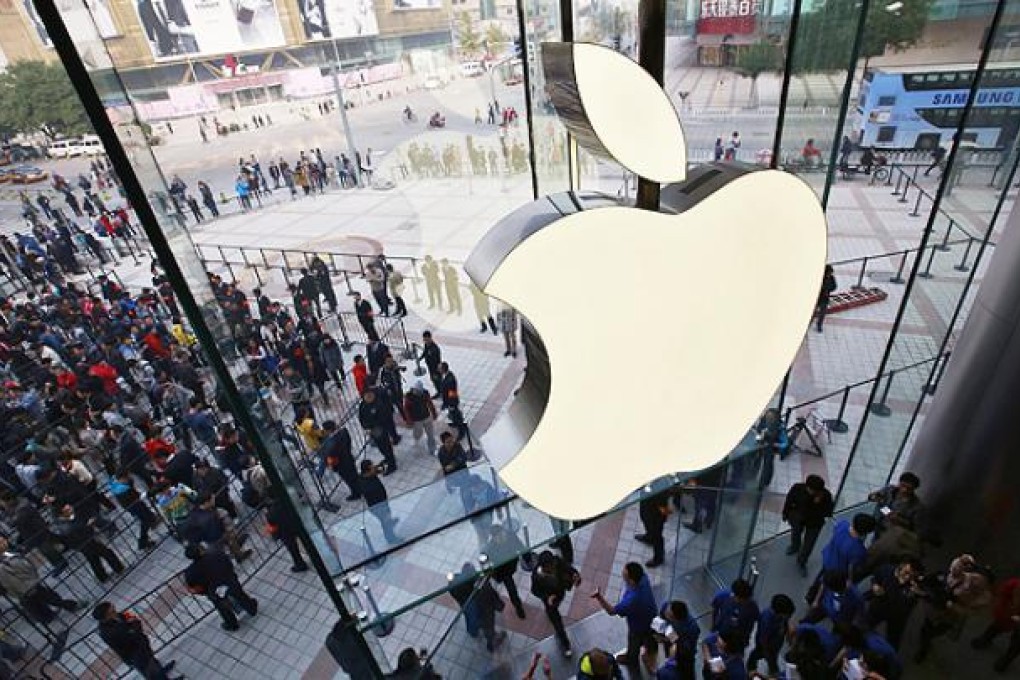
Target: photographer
(951, 597)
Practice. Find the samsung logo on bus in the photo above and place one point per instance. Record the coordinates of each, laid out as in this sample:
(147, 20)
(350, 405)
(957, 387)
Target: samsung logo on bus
(985, 98)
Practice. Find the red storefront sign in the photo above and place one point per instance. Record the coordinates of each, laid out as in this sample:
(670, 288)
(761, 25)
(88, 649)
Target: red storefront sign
(722, 17)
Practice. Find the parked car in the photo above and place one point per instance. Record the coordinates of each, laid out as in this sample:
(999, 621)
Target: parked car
(64, 148)
(28, 174)
(432, 83)
(5, 175)
(91, 145)
(19, 153)
(472, 69)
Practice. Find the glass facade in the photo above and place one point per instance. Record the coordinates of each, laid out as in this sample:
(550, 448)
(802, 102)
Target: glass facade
(407, 141)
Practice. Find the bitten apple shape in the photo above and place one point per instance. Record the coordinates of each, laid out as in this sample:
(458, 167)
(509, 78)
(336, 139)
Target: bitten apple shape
(665, 334)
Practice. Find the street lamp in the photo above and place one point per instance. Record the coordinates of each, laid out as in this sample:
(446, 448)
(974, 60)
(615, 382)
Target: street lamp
(352, 149)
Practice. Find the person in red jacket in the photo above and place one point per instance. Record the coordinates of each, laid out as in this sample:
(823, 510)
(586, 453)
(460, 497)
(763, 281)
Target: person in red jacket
(106, 373)
(360, 373)
(155, 345)
(1005, 619)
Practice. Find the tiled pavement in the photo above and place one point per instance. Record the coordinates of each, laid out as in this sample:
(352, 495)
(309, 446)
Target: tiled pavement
(285, 640)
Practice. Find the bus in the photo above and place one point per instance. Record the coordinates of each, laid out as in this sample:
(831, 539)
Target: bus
(920, 107)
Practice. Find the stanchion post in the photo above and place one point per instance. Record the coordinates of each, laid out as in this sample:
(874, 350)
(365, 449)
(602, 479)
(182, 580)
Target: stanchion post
(906, 190)
(963, 266)
(880, 408)
(860, 275)
(837, 424)
(899, 179)
(944, 246)
(933, 386)
(926, 274)
(917, 204)
(899, 272)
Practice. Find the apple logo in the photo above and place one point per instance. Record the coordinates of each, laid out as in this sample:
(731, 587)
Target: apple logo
(654, 339)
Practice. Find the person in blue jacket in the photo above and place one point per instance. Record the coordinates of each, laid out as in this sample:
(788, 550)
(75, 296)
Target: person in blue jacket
(723, 655)
(837, 600)
(735, 609)
(679, 636)
(858, 643)
(771, 633)
(637, 605)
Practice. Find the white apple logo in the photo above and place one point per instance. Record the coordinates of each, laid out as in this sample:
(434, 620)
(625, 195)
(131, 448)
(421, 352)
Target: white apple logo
(663, 336)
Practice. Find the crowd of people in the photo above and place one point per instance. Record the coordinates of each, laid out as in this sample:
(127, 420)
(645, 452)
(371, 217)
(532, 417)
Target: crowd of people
(854, 621)
(108, 417)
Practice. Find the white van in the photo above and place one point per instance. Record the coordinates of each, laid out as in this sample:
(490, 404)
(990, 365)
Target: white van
(91, 145)
(64, 148)
(472, 69)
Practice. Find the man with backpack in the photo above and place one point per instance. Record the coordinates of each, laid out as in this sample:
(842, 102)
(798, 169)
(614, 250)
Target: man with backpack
(550, 582)
(420, 415)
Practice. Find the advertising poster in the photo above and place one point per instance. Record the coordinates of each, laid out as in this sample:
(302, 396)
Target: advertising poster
(325, 19)
(178, 28)
(722, 17)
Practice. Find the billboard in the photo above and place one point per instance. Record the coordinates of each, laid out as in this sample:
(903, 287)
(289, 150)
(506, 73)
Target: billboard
(325, 19)
(179, 28)
(417, 4)
(724, 17)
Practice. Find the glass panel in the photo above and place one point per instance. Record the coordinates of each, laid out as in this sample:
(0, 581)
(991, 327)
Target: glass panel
(968, 208)
(551, 139)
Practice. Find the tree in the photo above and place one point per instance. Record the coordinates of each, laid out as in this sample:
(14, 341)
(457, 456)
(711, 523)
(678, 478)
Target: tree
(898, 30)
(826, 34)
(753, 60)
(494, 36)
(467, 35)
(36, 96)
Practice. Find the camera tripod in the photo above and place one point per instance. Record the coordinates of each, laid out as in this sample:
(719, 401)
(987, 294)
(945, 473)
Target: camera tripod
(793, 434)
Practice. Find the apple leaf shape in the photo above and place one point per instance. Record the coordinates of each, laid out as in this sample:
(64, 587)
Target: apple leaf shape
(737, 273)
(615, 109)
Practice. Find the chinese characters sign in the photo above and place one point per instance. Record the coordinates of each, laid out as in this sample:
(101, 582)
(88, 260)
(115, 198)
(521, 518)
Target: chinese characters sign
(723, 17)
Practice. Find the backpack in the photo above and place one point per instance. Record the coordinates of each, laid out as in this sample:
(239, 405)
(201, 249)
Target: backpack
(250, 496)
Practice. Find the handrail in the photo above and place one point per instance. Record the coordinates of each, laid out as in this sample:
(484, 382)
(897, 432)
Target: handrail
(922, 193)
(860, 383)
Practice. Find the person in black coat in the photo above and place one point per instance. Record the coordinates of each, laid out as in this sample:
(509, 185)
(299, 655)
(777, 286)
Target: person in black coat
(33, 531)
(62, 489)
(448, 388)
(366, 317)
(550, 582)
(479, 602)
(807, 506)
(826, 291)
(308, 287)
(127, 496)
(122, 632)
(131, 455)
(282, 527)
(76, 532)
(211, 481)
(375, 498)
(376, 352)
(211, 573)
(335, 452)
(503, 544)
(180, 468)
(375, 413)
(432, 355)
(653, 511)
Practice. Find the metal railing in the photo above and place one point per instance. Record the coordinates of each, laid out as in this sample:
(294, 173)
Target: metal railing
(168, 611)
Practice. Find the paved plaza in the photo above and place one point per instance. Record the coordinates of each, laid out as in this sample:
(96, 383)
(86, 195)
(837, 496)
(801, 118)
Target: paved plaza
(444, 218)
